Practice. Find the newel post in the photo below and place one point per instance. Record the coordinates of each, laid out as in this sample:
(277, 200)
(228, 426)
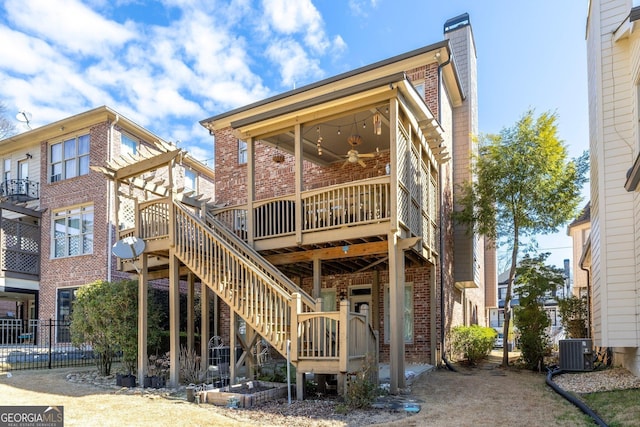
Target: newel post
(343, 346)
(296, 308)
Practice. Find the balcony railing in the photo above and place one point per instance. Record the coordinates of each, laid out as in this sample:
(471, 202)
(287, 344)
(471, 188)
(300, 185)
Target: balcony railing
(21, 190)
(355, 203)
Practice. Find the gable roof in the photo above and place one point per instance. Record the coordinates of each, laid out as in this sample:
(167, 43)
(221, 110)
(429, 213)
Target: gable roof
(438, 52)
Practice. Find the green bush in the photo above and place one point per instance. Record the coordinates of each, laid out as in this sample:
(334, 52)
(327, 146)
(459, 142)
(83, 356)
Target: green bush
(574, 313)
(472, 342)
(361, 391)
(532, 322)
(105, 316)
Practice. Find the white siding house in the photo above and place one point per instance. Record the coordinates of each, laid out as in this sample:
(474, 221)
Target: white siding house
(613, 55)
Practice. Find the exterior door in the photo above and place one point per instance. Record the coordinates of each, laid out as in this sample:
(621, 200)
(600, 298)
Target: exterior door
(23, 176)
(359, 297)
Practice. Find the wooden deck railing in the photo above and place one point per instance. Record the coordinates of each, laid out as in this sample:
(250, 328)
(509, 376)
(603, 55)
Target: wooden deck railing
(356, 203)
(153, 219)
(266, 299)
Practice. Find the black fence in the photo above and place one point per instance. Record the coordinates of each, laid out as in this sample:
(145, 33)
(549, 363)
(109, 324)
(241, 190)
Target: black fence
(40, 344)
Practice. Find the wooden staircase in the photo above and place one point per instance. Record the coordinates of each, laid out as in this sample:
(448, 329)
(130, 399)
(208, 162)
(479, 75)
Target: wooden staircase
(174, 223)
(337, 342)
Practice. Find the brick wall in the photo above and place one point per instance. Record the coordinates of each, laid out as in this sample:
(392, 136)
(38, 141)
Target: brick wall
(86, 189)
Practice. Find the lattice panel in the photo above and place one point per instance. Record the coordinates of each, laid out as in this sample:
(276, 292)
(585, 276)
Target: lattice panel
(126, 213)
(414, 175)
(433, 200)
(20, 262)
(403, 205)
(21, 236)
(402, 151)
(415, 216)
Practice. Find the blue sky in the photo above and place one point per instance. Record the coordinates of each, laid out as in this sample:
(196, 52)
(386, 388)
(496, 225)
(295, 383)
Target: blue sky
(168, 64)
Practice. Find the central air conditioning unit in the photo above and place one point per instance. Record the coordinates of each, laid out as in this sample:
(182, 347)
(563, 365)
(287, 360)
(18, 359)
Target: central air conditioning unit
(576, 354)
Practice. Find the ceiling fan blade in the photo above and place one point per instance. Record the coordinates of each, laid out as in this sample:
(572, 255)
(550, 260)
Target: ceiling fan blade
(344, 164)
(363, 164)
(369, 155)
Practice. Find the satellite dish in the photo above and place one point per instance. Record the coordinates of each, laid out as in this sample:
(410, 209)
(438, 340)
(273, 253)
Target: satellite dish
(24, 117)
(128, 248)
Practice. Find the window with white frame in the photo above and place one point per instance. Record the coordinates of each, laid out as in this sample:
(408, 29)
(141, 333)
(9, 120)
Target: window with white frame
(6, 172)
(190, 180)
(128, 144)
(69, 158)
(420, 89)
(408, 313)
(242, 152)
(72, 232)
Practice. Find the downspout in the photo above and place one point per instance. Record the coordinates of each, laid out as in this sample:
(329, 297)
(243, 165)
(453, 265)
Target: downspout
(441, 213)
(110, 203)
(586, 270)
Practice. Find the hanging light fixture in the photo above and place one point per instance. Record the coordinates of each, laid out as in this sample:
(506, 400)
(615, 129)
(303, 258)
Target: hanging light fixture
(319, 143)
(278, 157)
(377, 124)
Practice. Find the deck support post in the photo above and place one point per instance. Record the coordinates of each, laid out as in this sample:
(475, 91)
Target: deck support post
(205, 300)
(174, 318)
(396, 315)
(190, 311)
(143, 286)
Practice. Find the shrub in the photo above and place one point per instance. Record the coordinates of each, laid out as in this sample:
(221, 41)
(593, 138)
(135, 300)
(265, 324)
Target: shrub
(361, 391)
(105, 316)
(472, 342)
(532, 322)
(574, 312)
(191, 370)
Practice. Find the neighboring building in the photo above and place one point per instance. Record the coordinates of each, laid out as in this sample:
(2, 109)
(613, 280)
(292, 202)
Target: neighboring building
(613, 61)
(579, 231)
(58, 223)
(550, 303)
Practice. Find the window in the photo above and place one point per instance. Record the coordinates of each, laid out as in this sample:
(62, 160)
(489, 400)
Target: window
(408, 313)
(6, 173)
(419, 87)
(73, 232)
(69, 158)
(190, 180)
(128, 145)
(328, 296)
(242, 152)
(65, 308)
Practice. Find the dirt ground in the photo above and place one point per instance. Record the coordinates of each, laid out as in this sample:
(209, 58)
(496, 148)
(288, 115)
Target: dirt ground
(482, 396)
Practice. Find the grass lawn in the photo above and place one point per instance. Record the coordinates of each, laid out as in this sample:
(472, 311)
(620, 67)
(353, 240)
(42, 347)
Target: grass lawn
(620, 408)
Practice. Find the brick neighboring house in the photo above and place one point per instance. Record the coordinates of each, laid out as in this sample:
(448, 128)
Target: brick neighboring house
(63, 212)
(612, 254)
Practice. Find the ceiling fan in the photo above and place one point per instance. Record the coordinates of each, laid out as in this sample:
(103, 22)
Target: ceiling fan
(353, 156)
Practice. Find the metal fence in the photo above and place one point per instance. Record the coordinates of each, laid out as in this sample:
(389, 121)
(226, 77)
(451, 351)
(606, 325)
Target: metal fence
(40, 344)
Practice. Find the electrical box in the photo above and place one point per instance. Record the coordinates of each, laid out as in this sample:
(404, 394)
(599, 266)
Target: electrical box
(576, 354)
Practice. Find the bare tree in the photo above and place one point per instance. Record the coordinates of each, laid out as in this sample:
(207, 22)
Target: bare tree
(7, 127)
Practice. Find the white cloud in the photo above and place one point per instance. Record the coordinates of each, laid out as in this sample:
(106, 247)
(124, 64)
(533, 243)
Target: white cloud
(68, 24)
(362, 7)
(61, 57)
(297, 16)
(296, 67)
